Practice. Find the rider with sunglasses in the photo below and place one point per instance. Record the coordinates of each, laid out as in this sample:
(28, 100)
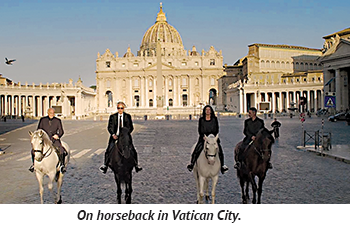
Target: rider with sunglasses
(113, 128)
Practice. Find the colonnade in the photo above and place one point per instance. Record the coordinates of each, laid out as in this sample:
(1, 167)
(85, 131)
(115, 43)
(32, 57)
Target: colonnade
(280, 101)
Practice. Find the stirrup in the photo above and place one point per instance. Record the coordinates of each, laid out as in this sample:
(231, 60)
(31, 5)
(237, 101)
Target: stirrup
(103, 169)
(63, 169)
(237, 165)
(224, 169)
(31, 168)
(190, 167)
(138, 169)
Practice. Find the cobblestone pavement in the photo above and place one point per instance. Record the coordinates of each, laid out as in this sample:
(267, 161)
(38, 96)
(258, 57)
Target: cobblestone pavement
(164, 151)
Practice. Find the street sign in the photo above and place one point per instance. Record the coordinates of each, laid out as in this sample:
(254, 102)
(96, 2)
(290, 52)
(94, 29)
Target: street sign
(329, 101)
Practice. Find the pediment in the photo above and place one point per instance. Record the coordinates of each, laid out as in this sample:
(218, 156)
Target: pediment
(342, 49)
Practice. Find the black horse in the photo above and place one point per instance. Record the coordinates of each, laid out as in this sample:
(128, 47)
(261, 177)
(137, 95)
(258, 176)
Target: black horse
(122, 162)
(256, 158)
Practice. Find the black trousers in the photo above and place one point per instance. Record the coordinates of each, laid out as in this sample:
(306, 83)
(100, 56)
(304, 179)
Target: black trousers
(198, 149)
(109, 149)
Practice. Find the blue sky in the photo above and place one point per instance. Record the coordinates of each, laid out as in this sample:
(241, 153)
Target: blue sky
(53, 41)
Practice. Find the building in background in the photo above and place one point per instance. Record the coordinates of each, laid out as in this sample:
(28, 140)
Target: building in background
(69, 100)
(275, 78)
(336, 68)
(171, 79)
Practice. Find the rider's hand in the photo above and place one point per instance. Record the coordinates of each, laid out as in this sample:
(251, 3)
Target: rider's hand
(253, 138)
(115, 137)
(55, 137)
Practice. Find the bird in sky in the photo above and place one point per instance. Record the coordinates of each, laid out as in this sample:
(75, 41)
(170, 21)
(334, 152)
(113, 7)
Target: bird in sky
(9, 62)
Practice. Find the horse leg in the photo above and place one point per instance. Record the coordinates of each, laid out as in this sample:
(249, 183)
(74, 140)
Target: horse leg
(254, 187)
(206, 188)
(40, 178)
(196, 176)
(242, 182)
(214, 181)
(261, 180)
(119, 190)
(247, 190)
(52, 177)
(201, 189)
(59, 186)
(128, 190)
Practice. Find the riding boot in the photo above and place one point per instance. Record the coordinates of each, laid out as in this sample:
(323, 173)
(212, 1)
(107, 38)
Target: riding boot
(137, 167)
(104, 167)
(31, 168)
(224, 168)
(195, 154)
(62, 157)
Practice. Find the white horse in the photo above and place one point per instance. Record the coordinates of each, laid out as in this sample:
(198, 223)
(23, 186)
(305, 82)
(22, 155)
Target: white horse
(207, 166)
(46, 162)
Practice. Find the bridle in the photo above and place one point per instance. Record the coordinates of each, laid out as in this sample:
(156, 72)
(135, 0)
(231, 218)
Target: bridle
(206, 152)
(41, 151)
(261, 151)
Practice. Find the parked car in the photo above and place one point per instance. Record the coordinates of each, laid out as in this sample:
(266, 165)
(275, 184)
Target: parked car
(339, 116)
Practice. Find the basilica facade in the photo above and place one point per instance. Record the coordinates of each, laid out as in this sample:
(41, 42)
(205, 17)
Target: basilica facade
(162, 78)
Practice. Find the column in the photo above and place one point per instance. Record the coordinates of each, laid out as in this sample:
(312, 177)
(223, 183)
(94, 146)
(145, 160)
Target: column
(142, 90)
(131, 100)
(295, 98)
(273, 101)
(308, 100)
(146, 92)
(166, 92)
(280, 103)
(241, 104)
(315, 101)
(244, 102)
(5, 106)
(34, 106)
(338, 94)
(287, 101)
(12, 105)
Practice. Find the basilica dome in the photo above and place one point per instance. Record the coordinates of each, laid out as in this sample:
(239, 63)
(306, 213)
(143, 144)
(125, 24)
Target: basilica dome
(168, 36)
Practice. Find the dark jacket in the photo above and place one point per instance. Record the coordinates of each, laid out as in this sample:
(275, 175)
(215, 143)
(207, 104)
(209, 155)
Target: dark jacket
(113, 124)
(251, 128)
(51, 126)
(208, 127)
(275, 124)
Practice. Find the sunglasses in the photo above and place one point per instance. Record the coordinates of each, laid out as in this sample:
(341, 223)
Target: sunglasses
(120, 108)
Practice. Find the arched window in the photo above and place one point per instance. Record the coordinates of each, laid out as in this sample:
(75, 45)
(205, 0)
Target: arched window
(151, 103)
(170, 102)
(262, 63)
(109, 95)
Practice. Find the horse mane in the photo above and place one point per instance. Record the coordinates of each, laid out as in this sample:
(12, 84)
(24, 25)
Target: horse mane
(265, 133)
(44, 136)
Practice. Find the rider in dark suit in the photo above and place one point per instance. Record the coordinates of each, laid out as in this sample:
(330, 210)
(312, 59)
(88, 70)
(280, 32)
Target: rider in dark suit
(113, 128)
(251, 129)
(54, 129)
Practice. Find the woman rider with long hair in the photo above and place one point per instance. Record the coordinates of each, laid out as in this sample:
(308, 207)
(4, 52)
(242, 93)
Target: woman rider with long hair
(208, 124)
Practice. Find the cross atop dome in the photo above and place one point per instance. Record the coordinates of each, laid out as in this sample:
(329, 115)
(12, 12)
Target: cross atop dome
(161, 15)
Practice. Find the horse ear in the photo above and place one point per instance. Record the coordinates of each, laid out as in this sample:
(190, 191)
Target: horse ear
(41, 133)
(205, 137)
(30, 133)
(217, 137)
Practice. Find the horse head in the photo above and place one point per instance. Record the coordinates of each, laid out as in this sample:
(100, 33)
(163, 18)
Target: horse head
(124, 142)
(40, 142)
(211, 148)
(264, 141)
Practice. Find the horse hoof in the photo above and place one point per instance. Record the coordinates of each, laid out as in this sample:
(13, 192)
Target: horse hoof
(59, 202)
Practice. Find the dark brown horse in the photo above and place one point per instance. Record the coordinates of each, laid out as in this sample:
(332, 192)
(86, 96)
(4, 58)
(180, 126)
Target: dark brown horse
(122, 162)
(255, 161)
